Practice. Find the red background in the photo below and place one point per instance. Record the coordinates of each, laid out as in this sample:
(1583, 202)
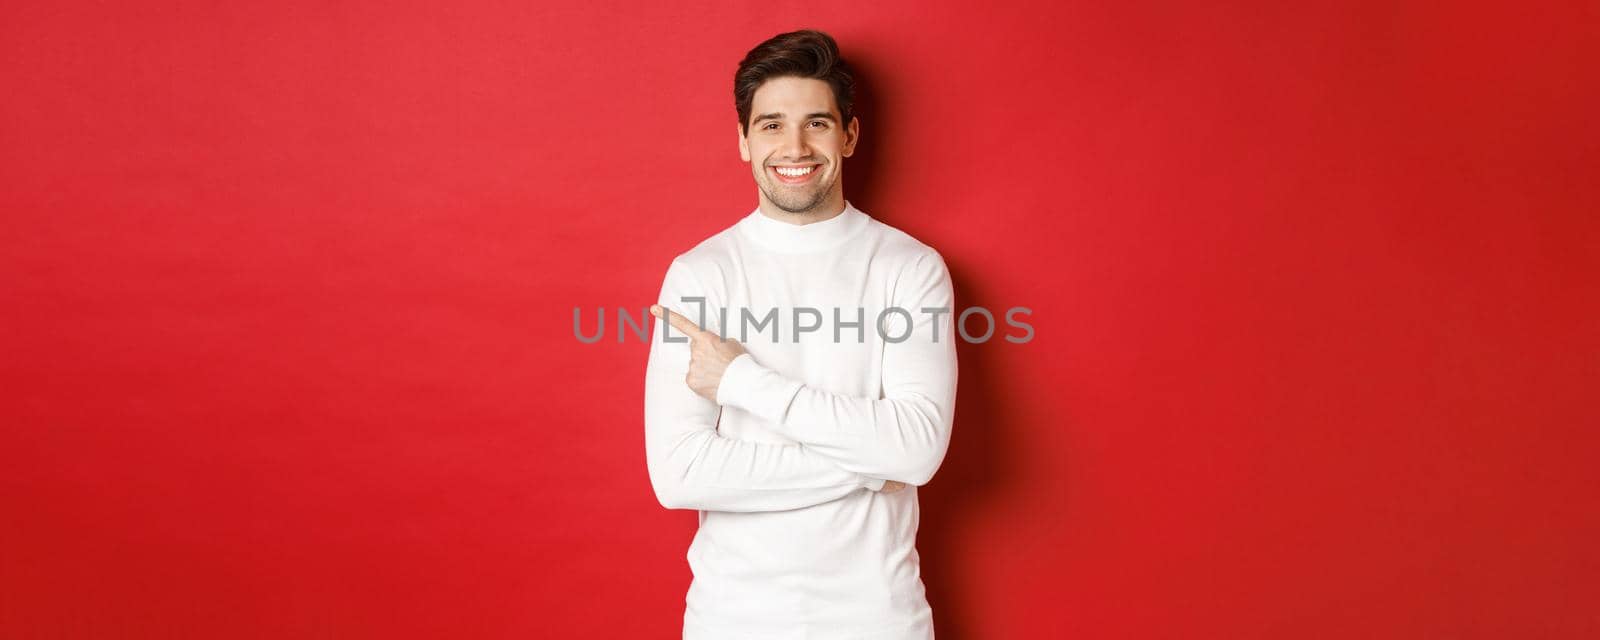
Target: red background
(287, 343)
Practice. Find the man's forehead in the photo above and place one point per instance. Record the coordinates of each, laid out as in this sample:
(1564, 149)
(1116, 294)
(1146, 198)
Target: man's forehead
(790, 97)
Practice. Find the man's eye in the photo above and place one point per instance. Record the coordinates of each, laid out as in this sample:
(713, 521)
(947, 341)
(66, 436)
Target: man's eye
(819, 122)
(770, 125)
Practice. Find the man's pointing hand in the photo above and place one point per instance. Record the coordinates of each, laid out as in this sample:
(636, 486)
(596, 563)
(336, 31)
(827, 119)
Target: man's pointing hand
(709, 353)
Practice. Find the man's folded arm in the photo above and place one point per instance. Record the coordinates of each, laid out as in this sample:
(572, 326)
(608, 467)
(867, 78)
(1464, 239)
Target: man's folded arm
(691, 466)
(901, 436)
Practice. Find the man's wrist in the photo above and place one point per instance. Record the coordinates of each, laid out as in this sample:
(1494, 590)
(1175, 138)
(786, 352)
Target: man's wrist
(762, 392)
(733, 383)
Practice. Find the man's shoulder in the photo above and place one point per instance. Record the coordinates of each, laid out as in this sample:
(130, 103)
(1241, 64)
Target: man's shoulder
(903, 247)
(708, 261)
(714, 250)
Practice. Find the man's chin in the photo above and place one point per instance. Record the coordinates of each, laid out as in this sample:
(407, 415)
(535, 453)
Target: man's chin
(792, 205)
(808, 208)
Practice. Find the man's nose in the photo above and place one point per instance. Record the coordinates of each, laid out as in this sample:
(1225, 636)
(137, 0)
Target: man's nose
(794, 144)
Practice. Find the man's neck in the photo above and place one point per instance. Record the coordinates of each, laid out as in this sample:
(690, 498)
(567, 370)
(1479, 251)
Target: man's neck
(825, 211)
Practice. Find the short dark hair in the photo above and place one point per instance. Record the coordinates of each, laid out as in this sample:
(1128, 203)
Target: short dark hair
(807, 53)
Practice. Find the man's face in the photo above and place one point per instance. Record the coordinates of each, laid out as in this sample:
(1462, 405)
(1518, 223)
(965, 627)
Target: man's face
(795, 128)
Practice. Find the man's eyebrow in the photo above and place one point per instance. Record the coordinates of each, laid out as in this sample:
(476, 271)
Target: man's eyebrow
(778, 116)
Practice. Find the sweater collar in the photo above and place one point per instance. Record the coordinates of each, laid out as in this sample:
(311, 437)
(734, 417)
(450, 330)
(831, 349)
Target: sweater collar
(783, 237)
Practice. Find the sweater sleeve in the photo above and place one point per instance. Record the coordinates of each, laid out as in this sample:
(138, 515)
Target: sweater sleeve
(691, 466)
(902, 435)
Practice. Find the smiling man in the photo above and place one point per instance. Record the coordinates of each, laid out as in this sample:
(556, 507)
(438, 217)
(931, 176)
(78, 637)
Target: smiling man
(800, 446)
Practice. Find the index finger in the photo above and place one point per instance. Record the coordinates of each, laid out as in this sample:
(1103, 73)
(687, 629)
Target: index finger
(678, 321)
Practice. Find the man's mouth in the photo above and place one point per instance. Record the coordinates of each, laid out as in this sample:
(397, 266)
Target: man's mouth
(794, 174)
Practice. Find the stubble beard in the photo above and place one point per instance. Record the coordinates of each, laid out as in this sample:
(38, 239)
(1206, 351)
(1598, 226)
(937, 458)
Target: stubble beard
(792, 202)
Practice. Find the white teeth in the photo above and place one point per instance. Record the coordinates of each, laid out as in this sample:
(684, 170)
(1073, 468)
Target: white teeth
(794, 173)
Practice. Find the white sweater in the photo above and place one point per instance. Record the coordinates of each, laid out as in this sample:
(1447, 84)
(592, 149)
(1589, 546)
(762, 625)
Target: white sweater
(784, 468)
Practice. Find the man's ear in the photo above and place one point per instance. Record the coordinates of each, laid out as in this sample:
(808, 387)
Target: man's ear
(744, 149)
(853, 132)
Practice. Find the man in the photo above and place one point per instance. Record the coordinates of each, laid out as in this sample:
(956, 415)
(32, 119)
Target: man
(801, 443)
